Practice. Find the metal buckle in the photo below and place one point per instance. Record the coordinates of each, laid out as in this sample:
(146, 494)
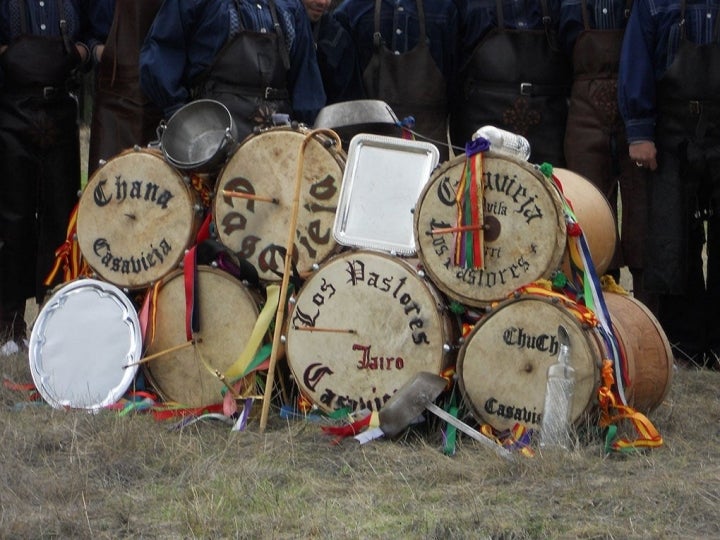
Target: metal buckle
(48, 92)
(526, 89)
(268, 92)
(695, 107)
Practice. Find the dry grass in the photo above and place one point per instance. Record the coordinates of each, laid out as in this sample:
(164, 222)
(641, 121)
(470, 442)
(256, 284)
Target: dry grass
(78, 475)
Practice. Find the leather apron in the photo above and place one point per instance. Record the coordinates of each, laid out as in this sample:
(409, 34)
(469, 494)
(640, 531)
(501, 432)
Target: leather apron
(122, 115)
(517, 80)
(595, 139)
(685, 196)
(251, 95)
(410, 83)
(40, 169)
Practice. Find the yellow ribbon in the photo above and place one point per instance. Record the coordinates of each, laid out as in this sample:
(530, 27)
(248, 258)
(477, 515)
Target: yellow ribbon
(262, 324)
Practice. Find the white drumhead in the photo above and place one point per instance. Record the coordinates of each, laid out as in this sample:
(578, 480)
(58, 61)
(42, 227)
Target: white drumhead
(83, 346)
(136, 217)
(362, 326)
(524, 234)
(265, 167)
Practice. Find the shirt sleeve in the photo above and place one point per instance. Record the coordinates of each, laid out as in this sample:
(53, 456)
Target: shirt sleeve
(636, 79)
(182, 42)
(307, 93)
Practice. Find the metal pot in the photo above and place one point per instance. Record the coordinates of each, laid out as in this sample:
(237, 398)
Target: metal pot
(199, 136)
(349, 118)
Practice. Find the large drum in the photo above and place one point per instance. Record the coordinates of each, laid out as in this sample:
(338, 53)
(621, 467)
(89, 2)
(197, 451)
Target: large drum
(85, 345)
(524, 229)
(362, 326)
(594, 215)
(646, 349)
(228, 311)
(503, 364)
(136, 217)
(255, 194)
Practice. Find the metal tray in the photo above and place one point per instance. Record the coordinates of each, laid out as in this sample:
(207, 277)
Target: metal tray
(85, 345)
(383, 179)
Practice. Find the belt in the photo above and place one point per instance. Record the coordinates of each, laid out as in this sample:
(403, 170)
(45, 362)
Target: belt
(523, 88)
(692, 107)
(43, 92)
(267, 92)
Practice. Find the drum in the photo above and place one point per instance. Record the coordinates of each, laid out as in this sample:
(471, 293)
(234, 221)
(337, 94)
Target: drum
(85, 345)
(228, 311)
(363, 325)
(524, 230)
(136, 217)
(646, 349)
(595, 217)
(253, 204)
(502, 366)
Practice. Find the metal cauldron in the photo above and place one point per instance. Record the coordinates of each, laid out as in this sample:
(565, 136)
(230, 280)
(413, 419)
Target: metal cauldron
(199, 136)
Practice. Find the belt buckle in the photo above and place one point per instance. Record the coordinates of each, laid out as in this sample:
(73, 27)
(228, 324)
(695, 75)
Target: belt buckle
(268, 92)
(48, 92)
(526, 89)
(695, 107)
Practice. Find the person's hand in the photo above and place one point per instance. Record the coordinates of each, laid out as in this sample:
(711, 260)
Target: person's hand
(98, 52)
(82, 51)
(644, 154)
(3, 48)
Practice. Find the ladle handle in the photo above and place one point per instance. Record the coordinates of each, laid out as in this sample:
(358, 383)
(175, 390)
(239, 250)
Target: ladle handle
(462, 426)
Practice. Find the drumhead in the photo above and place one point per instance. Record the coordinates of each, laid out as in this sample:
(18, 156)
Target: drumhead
(263, 167)
(136, 217)
(502, 366)
(228, 312)
(524, 236)
(363, 325)
(84, 346)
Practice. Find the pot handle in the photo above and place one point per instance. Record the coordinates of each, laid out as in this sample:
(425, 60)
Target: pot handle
(159, 131)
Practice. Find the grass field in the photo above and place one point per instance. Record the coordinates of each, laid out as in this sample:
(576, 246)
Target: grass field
(80, 475)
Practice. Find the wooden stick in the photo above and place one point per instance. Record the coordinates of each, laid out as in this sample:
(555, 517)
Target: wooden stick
(460, 228)
(319, 329)
(252, 197)
(287, 270)
(161, 353)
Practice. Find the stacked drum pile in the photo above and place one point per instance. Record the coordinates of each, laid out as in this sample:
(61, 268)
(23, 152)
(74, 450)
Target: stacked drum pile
(361, 321)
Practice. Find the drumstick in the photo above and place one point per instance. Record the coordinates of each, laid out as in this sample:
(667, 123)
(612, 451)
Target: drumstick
(157, 354)
(292, 229)
(460, 228)
(319, 329)
(252, 197)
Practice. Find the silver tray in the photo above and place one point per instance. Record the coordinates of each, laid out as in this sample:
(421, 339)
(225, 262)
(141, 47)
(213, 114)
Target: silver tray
(383, 179)
(85, 345)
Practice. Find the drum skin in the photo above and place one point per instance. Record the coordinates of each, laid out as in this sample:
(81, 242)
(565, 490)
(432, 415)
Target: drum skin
(594, 215)
(136, 217)
(265, 166)
(361, 326)
(228, 311)
(503, 364)
(524, 238)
